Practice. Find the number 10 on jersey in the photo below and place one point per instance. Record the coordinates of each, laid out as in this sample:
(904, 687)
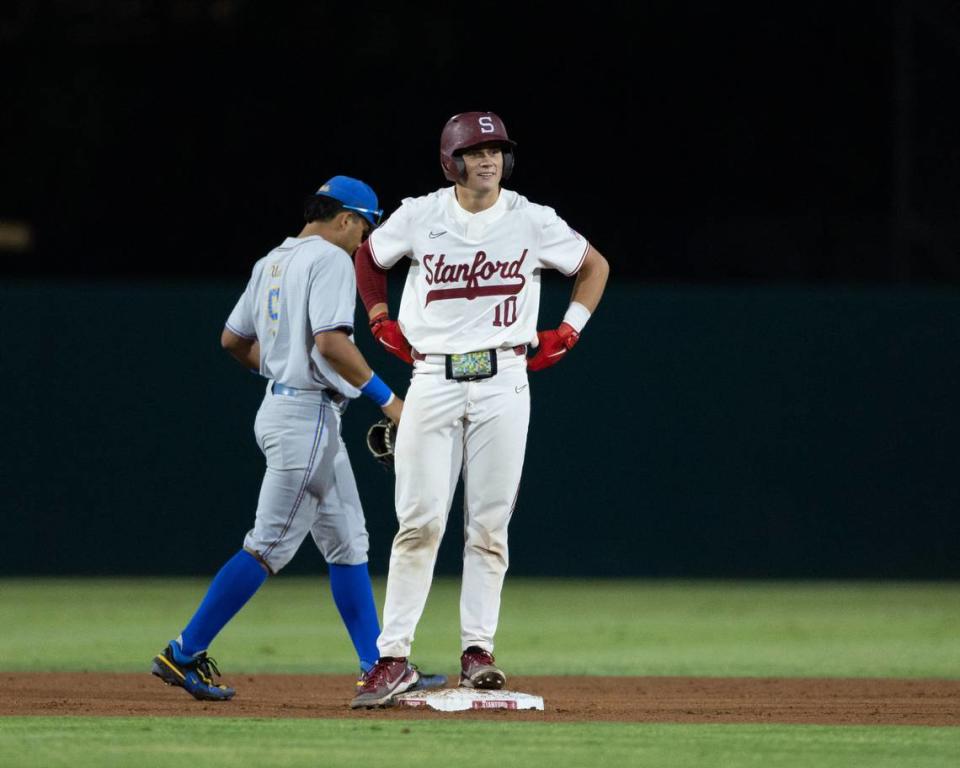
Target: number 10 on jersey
(505, 314)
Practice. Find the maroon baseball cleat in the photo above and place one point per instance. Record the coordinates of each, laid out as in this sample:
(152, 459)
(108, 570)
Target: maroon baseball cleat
(477, 670)
(389, 677)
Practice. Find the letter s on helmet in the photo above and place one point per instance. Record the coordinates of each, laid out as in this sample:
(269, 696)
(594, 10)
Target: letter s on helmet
(467, 130)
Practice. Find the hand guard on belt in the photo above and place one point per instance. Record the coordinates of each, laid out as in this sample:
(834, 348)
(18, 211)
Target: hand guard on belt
(381, 439)
(388, 333)
(554, 345)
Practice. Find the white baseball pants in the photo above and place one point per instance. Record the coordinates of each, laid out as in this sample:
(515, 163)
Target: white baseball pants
(479, 427)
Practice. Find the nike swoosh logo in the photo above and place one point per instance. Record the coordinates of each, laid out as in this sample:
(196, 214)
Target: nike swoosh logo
(561, 352)
(519, 389)
(434, 235)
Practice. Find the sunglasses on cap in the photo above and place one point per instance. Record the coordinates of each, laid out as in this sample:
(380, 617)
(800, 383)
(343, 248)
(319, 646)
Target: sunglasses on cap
(376, 215)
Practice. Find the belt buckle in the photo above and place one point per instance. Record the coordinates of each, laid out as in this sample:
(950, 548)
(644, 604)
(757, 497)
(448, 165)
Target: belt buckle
(472, 366)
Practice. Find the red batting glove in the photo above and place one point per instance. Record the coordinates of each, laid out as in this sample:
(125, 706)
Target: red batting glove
(388, 333)
(553, 346)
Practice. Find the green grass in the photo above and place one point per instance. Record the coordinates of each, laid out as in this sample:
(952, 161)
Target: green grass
(546, 627)
(176, 742)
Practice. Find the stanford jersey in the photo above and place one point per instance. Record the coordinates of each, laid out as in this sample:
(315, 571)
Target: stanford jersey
(474, 278)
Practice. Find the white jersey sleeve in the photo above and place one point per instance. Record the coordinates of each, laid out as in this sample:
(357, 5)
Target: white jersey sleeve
(331, 296)
(561, 247)
(241, 320)
(392, 240)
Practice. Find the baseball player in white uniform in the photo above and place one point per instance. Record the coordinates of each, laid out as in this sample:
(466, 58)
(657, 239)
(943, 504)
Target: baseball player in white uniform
(294, 325)
(467, 316)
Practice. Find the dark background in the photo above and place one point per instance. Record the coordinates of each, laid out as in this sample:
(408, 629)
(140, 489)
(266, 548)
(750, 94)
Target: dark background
(812, 141)
(768, 388)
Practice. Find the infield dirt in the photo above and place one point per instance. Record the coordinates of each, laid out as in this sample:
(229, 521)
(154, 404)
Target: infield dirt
(825, 701)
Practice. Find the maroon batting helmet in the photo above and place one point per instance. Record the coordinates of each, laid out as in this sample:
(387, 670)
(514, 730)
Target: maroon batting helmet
(467, 130)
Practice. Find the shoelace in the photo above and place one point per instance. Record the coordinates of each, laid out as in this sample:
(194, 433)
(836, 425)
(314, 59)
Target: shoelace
(480, 656)
(204, 666)
(379, 672)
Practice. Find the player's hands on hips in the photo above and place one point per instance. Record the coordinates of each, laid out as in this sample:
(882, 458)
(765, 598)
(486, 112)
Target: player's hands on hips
(393, 410)
(388, 333)
(554, 346)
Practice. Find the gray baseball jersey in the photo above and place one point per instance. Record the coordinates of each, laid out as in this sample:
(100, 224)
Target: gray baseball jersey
(301, 288)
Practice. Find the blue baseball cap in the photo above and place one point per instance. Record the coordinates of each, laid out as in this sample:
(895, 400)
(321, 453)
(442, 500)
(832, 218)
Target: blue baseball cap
(353, 195)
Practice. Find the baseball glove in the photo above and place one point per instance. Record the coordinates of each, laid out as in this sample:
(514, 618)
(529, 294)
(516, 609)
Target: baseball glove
(381, 439)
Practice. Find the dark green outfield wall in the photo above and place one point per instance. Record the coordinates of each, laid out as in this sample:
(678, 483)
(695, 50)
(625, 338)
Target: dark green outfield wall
(747, 431)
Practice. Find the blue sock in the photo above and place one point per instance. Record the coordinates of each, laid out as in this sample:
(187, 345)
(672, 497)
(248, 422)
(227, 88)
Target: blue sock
(229, 591)
(353, 594)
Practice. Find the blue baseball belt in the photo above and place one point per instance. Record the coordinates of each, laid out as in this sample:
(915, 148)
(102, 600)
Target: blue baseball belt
(283, 389)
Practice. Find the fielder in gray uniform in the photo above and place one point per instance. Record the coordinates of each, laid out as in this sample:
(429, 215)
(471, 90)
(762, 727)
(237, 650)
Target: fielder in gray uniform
(294, 325)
